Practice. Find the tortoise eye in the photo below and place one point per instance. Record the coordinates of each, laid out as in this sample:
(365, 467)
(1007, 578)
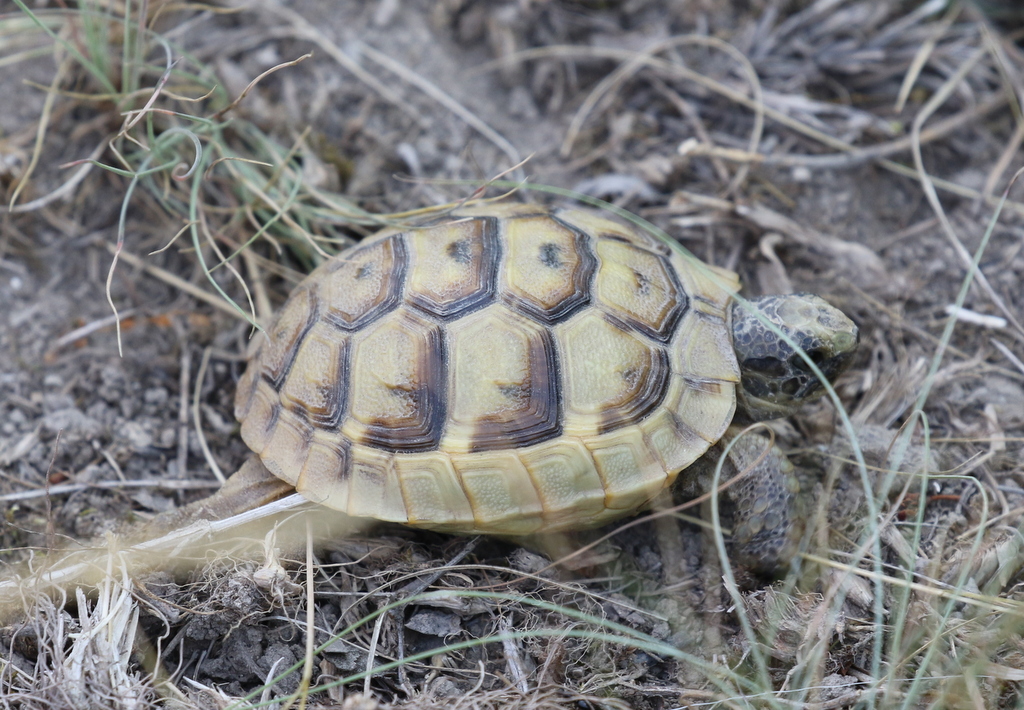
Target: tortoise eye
(817, 355)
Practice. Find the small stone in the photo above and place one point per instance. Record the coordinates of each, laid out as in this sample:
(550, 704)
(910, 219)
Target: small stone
(168, 438)
(434, 622)
(74, 424)
(135, 434)
(54, 401)
(445, 687)
(53, 380)
(156, 396)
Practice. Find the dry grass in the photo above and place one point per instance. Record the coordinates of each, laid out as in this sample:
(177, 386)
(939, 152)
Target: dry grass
(848, 148)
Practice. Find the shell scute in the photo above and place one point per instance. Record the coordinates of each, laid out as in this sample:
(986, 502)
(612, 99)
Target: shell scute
(504, 382)
(325, 474)
(433, 494)
(396, 389)
(630, 473)
(453, 267)
(373, 487)
(566, 481)
(503, 496)
(548, 268)
(363, 283)
(640, 288)
(312, 386)
(615, 377)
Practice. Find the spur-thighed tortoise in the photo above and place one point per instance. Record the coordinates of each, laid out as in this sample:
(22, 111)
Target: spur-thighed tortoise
(515, 370)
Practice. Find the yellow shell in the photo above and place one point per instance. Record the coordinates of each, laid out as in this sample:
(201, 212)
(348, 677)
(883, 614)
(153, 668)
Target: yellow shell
(507, 369)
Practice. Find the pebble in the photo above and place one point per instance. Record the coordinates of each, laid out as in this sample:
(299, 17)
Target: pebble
(74, 424)
(135, 434)
(156, 396)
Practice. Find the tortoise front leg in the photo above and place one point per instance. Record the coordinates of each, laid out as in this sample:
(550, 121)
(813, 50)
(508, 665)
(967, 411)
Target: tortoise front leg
(765, 509)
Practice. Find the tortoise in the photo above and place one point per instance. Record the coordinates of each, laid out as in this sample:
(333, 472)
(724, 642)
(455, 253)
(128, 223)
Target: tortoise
(517, 370)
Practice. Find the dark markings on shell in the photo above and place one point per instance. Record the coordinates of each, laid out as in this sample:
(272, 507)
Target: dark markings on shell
(428, 399)
(640, 239)
(713, 387)
(543, 417)
(460, 251)
(342, 449)
(299, 421)
(515, 392)
(648, 397)
(616, 238)
(643, 283)
(551, 255)
(275, 415)
(664, 333)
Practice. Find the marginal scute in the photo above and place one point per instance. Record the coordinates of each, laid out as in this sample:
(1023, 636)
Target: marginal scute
(397, 384)
(324, 478)
(363, 283)
(503, 383)
(599, 226)
(707, 406)
(702, 350)
(711, 286)
(672, 441)
(640, 288)
(263, 410)
(287, 447)
(548, 268)
(630, 473)
(453, 266)
(566, 481)
(614, 377)
(501, 492)
(432, 491)
(245, 392)
(373, 488)
(317, 382)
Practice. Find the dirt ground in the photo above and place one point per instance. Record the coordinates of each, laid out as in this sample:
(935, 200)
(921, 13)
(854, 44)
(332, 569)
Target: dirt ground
(807, 179)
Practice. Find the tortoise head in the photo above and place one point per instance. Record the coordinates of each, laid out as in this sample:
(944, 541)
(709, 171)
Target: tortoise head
(776, 380)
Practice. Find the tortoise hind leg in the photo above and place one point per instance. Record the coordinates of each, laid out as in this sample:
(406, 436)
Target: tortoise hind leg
(249, 487)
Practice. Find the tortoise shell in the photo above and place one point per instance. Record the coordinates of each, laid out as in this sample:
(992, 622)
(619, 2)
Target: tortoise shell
(505, 369)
